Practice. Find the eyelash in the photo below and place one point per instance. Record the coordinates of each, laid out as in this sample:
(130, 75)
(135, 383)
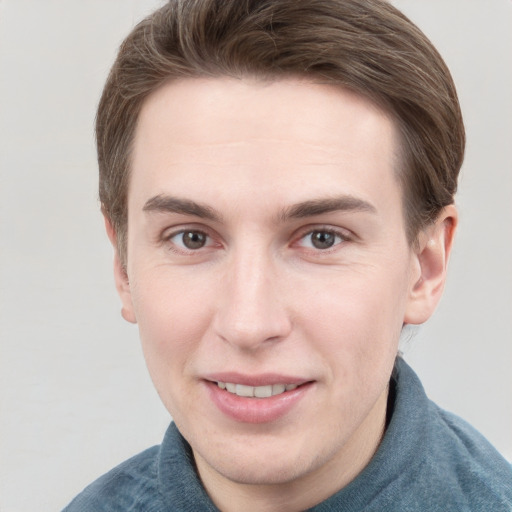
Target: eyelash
(167, 238)
(342, 235)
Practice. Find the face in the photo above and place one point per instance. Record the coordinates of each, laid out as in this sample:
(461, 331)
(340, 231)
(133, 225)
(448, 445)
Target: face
(267, 255)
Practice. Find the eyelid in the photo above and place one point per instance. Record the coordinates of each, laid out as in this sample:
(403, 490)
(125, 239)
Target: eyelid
(345, 234)
(170, 232)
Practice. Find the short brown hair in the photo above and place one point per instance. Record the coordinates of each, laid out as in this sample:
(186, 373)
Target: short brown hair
(367, 46)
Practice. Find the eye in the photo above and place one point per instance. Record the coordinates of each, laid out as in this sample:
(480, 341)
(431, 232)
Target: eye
(190, 240)
(321, 239)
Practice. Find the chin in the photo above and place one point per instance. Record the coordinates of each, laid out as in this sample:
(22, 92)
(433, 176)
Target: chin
(264, 464)
(271, 473)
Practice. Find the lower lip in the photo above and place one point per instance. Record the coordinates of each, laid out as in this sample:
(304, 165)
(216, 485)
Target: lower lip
(256, 410)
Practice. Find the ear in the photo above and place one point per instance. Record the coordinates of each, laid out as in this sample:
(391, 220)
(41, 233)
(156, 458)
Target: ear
(120, 276)
(429, 265)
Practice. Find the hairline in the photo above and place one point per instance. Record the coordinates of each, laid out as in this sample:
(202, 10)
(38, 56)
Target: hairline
(271, 76)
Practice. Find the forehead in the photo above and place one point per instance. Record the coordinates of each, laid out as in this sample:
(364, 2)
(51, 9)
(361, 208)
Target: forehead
(287, 139)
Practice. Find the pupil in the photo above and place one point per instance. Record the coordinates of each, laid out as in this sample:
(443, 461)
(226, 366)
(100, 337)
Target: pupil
(194, 240)
(322, 239)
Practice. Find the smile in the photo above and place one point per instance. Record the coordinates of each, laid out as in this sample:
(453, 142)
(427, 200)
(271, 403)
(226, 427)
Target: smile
(256, 391)
(239, 399)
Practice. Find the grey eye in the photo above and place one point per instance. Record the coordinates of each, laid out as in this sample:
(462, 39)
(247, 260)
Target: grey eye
(191, 240)
(323, 239)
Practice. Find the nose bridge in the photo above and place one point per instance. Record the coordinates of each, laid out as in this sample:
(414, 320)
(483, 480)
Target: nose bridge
(252, 311)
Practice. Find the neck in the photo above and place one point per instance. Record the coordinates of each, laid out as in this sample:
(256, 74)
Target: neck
(309, 489)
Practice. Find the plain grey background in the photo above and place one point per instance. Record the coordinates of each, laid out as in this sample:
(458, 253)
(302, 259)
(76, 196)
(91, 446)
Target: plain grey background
(75, 396)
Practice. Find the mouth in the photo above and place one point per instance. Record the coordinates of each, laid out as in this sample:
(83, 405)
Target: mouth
(257, 398)
(266, 391)
(268, 401)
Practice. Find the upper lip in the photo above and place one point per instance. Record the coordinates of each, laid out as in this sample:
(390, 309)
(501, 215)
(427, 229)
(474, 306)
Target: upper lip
(262, 379)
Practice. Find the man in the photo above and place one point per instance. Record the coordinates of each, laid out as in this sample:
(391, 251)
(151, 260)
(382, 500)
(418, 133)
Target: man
(277, 179)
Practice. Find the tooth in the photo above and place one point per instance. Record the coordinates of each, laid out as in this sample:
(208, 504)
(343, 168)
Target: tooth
(263, 391)
(277, 389)
(242, 390)
(256, 391)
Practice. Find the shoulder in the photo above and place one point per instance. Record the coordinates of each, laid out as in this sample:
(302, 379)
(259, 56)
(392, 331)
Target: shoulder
(455, 467)
(131, 486)
(439, 459)
(465, 461)
(159, 479)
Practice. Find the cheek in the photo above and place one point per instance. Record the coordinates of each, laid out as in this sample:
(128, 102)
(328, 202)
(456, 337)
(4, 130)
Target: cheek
(357, 318)
(172, 320)
(170, 307)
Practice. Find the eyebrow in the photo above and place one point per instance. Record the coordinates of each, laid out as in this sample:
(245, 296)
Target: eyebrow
(170, 204)
(320, 206)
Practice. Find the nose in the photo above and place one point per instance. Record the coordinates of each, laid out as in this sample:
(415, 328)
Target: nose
(251, 312)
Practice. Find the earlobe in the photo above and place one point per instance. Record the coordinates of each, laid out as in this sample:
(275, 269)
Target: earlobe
(120, 276)
(428, 272)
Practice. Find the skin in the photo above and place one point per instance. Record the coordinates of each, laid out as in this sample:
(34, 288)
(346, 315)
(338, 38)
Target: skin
(259, 296)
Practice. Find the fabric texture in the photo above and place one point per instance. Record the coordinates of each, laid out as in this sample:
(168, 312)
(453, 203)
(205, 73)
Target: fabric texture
(429, 460)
